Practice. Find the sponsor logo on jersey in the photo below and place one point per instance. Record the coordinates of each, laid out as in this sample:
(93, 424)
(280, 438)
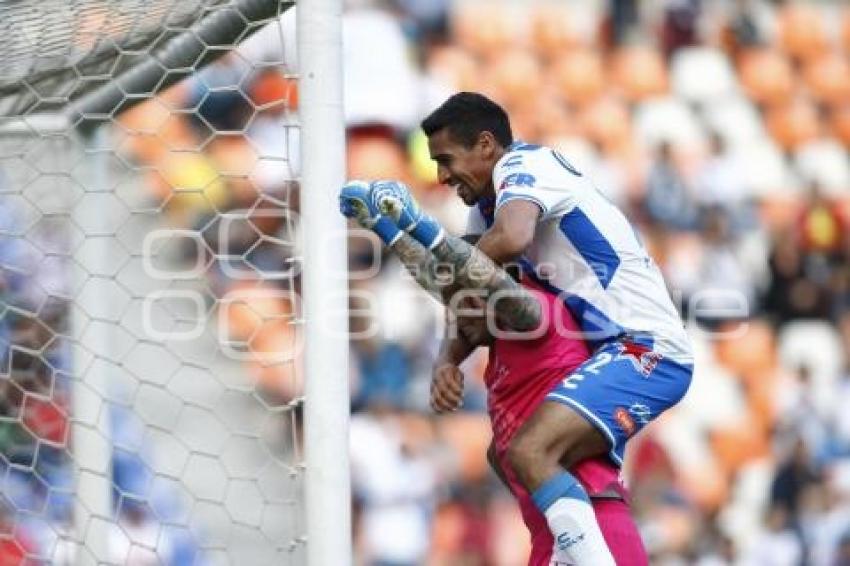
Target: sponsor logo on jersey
(643, 358)
(518, 180)
(625, 421)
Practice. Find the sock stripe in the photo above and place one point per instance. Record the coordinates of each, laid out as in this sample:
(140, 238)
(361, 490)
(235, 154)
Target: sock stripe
(556, 487)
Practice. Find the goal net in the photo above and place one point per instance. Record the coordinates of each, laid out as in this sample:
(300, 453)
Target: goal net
(152, 303)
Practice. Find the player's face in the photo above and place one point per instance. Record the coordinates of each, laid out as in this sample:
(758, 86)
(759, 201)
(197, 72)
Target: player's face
(468, 170)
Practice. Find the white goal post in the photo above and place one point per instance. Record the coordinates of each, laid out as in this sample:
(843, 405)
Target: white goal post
(161, 386)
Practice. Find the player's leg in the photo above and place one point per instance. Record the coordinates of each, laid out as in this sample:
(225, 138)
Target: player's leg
(616, 393)
(620, 532)
(556, 432)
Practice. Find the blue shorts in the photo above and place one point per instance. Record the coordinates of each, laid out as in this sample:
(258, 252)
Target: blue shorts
(623, 387)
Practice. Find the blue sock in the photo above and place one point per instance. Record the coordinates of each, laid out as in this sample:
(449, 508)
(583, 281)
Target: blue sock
(556, 487)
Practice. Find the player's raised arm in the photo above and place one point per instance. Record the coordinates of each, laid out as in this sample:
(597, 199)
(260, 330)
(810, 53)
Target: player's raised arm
(439, 262)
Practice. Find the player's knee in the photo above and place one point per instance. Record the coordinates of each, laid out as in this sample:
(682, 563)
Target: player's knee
(531, 458)
(521, 454)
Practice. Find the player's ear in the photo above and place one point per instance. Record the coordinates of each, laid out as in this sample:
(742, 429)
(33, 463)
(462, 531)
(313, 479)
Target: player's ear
(487, 144)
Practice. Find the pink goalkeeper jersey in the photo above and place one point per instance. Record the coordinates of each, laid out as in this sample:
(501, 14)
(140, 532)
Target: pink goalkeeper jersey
(519, 374)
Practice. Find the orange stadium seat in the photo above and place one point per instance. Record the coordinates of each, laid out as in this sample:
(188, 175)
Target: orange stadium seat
(639, 72)
(516, 75)
(828, 77)
(455, 67)
(767, 75)
(751, 355)
(794, 123)
(554, 118)
(579, 76)
(607, 123)
(845, 30)
(469, 435)
(553, 30)
(485, 29)
(739, 444)
(802, 30)
(272, 89)
(839, 122)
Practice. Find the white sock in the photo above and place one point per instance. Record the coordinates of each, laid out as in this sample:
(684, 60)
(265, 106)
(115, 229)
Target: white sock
(572, 521)
(577, 534)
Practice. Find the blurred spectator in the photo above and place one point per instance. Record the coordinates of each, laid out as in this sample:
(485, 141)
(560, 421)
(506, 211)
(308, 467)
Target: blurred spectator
(777, 544)
(681, 25)
(797, 282)
(393, 484)
(624, 18)
(793, 476)
(713, 278)
(743, 27)
(719, 182)
(668, 198)
(820, 224)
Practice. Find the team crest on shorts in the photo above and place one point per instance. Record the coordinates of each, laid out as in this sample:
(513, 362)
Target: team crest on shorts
(643, 358)
(625, 421)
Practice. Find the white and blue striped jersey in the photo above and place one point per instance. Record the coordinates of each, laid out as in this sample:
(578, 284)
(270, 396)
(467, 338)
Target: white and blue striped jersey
(585, 249)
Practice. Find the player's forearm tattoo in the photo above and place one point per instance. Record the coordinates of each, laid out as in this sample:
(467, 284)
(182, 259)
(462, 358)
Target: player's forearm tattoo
(455, 264)
(420, 263)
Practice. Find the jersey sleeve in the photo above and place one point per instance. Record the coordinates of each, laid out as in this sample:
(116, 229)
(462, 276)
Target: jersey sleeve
(534, 176)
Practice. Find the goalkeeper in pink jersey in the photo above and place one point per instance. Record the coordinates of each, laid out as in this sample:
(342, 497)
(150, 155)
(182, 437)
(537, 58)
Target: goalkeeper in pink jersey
(522, 369)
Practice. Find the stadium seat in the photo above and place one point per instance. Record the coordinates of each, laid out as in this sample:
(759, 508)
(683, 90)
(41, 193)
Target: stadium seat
(487, 29)
(735, 119)
(845, 30)
(271, 89)
(794, 123)
(802, 30)
(607, 123)
(454, 68)
(639, 72)
(766, 172)
(667, 119)
(702, 74)
(554, 30)
(469, 435)
(751, 355)
(825, 162)
(554, 118)
(828, 77)
(766, 75)
(579, 76)
(739, 443)
(839, 123)
(516, 75)
(825, 361)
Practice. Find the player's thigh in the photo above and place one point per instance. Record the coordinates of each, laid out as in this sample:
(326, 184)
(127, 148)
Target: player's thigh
(619, 394)
(557, 432)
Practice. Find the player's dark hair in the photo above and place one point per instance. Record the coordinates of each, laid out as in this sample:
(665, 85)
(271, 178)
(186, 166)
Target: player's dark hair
(466, 115)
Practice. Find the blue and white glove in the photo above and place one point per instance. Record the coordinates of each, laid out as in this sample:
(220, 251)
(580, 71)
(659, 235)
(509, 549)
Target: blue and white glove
(393, 199)
(355, 201)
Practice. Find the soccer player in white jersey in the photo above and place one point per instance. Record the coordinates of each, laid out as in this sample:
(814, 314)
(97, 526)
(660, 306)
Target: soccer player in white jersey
(532, 207)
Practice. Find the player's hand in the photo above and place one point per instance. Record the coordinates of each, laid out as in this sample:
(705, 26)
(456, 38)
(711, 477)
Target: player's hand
(355, 201)
(393, 199)
(446, 388)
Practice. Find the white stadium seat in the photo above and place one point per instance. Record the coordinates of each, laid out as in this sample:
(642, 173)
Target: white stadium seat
(701, 74)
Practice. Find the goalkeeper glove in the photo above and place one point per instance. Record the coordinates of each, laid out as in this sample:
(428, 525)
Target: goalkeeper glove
(355, 202)
(393, 199)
